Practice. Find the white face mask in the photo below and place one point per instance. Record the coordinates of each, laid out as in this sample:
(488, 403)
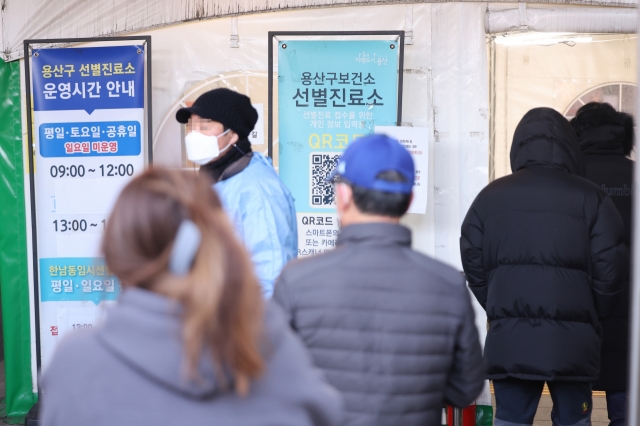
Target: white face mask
(201, 148)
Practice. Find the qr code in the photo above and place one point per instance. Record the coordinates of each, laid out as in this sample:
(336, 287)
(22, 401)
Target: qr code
(321, 166)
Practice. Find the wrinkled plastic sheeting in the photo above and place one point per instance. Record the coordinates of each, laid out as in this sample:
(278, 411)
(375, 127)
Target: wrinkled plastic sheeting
(29, 19)
(417, 111)
(576, 20)
(42, 19)
(460, 98)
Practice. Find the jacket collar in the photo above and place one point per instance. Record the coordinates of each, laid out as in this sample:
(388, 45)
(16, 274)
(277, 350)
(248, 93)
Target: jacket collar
(235, 160)
(375, 233)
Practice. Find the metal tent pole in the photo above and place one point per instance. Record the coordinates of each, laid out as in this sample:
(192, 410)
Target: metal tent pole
(633, 401)
(457, 416)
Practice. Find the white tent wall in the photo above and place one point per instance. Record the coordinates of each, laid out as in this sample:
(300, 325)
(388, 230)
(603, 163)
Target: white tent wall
(445, 89)
(445, 72)
(454, 85)
(553, 76)
(186, 54)
(461, 129)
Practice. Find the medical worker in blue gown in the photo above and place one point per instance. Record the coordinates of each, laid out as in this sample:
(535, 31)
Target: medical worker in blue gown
(258, 203)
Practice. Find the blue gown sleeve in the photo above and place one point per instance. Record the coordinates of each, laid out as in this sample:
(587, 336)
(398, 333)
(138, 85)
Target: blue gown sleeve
(263, 214)
(258, 227)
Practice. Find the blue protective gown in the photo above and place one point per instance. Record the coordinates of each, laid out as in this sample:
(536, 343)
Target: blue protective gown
(263, 212)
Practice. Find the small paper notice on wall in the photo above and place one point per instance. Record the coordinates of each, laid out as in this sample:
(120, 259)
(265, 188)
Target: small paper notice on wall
(416, 140)
(256, 137)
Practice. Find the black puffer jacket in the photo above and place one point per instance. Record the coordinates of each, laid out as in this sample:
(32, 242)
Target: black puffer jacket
(544, 255)
(605, 137)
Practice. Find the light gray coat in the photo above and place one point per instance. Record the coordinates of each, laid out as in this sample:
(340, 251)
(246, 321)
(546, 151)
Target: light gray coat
(393, 329)
(130, 372)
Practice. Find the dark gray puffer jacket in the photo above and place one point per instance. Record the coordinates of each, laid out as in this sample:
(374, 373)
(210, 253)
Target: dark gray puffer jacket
(393, 329)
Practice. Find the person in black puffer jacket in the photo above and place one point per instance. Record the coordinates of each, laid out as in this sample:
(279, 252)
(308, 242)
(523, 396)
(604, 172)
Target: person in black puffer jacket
(544, 254)
(606, 138)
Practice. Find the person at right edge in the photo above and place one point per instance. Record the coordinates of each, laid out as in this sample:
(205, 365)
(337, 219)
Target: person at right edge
(544, 254)
(606, 138)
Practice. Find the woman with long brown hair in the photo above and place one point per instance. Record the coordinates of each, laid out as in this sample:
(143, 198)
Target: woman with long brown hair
(191, 340)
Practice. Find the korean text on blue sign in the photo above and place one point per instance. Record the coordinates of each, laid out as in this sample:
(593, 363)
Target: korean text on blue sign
(100, 139)
(88, 78)
(329, 93)
(77, 279)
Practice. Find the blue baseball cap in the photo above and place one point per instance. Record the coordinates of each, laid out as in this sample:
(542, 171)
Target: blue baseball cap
(368, 156)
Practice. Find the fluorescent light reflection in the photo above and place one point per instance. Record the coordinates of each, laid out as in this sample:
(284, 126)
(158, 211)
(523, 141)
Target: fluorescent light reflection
(541, 39)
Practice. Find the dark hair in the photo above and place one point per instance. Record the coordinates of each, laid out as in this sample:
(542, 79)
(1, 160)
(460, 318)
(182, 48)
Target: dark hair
(220, 296)
(381, 203)
(596, 114)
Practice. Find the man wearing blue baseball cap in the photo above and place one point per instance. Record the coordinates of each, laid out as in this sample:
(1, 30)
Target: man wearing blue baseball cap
(392, 329)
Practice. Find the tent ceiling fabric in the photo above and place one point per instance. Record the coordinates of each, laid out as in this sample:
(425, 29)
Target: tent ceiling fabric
(44, 19)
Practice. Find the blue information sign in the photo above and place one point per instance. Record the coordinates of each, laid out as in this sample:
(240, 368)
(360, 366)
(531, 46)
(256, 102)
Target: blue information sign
(88, 127)
(88, 78)
(77, 279)
(90, 139)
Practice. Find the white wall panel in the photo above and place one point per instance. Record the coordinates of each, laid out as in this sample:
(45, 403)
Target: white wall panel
(460, 100)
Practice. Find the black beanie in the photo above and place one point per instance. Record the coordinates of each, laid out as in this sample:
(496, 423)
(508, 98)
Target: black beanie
(225, 106)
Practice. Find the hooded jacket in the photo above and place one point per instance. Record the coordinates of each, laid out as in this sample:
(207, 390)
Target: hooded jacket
(543, 252)
(263, 212)
(606, 139)
(130, 371)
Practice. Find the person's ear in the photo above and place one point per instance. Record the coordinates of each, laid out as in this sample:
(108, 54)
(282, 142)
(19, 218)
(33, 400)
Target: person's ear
(410, 201)
(344, 195)
(233, 137)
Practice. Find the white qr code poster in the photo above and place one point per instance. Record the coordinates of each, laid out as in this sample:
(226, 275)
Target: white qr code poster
(330, 93)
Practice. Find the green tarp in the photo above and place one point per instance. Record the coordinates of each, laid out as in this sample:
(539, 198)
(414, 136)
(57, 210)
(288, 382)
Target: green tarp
(14, 281)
